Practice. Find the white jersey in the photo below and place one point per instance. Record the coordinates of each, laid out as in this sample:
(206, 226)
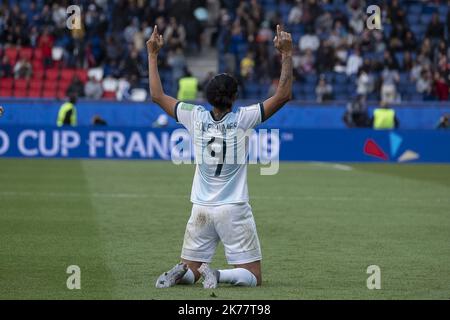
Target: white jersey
(221, 151)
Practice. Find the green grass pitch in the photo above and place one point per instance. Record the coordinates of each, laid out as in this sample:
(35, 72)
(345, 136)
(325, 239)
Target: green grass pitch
(320, 225)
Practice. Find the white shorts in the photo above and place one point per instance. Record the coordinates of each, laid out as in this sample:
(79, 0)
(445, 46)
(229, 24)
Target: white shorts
(233, 224)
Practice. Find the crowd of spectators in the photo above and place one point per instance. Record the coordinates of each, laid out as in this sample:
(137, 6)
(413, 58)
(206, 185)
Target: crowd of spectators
(336, 56)
(337, 53)
(111, 38)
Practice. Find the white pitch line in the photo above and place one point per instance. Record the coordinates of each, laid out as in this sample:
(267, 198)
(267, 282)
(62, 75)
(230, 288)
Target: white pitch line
(174, 196)
(336, 166)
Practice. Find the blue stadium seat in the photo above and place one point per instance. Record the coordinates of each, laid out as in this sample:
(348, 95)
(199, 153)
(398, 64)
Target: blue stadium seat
(339, 88)
(329, 77)
(341, 96)
(430, 9)
(404, 78)
(311, 79)
(252, 90)
(415, 8)
(308, 88)
(413, 19)
(264, 90)
(426, 18)
(415, 97)
(340, 78)
(310, 96)
(297, 90)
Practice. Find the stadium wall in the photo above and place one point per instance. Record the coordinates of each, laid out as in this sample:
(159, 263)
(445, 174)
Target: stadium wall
(131, 114)
(359, 145)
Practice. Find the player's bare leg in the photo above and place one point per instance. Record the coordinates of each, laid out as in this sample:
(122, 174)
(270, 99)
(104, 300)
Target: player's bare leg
(193, 266)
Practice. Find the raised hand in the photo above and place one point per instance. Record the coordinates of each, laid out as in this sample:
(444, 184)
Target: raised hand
(283, 41)
(155, 43)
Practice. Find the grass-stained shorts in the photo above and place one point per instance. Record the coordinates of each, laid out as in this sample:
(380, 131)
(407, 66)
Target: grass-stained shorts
(233, 224)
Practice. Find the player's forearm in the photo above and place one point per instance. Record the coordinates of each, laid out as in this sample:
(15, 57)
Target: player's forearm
(284, 90)
(156, 90)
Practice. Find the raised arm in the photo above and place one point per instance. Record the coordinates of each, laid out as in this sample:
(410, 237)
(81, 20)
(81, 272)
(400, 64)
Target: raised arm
(283, 42)
(167, 103)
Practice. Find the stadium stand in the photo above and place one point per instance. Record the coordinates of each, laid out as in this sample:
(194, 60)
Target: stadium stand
(407, 60)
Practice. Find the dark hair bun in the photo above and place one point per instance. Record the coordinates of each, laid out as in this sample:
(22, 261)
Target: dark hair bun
(221, 91)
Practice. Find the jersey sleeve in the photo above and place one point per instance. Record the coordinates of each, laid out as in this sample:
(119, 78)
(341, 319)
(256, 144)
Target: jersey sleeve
(185, 114)
(251, 116)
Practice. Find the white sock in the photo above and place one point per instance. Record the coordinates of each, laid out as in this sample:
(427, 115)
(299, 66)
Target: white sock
(188, 278)
(237, 277)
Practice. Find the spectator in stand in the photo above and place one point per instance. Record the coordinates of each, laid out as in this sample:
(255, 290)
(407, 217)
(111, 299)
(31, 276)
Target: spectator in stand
(435, 29)
(296, 13)
(45, 43)
(175, 34)
(93, 88)
(324, 90)
(354, 62)
(390, 79)
(23, 69)
(440, 87)
(364, 83)
(76, 88)
(247, 66)
(307, 62)
(309, 40)
(424, 84)
(326, 57)
(311, 10)
(409, 42)
(408, 63)
(5, 68)
(177, 61)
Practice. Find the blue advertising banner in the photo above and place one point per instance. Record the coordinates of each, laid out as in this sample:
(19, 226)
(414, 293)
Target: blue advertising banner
(357, 145)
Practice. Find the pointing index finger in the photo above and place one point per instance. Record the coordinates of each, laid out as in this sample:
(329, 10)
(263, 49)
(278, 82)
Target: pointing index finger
(278, 31)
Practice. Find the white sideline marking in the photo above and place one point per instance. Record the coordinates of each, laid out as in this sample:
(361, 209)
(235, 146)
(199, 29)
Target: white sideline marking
(174, 196)
(336, 166)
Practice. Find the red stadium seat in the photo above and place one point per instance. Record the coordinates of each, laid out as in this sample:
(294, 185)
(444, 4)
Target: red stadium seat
(67, 74)
(38, 74)
(6, 92)
(7, 83)
(61, 93)
(37, 55)
(50, 85)
(52, 74)
(26, 53)
(64, 84)
(49, 94)
(11, 53)
(111, 95)
(36, 84)
(20, 92)
(38, 65)
(82, 75)
(21, 84)
(34, 92)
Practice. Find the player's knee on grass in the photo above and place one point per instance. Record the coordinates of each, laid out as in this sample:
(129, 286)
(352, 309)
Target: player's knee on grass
(254, 268)
(238, 277)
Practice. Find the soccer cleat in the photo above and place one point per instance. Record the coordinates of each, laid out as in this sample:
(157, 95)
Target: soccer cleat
(171, 277)
(210, 276)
